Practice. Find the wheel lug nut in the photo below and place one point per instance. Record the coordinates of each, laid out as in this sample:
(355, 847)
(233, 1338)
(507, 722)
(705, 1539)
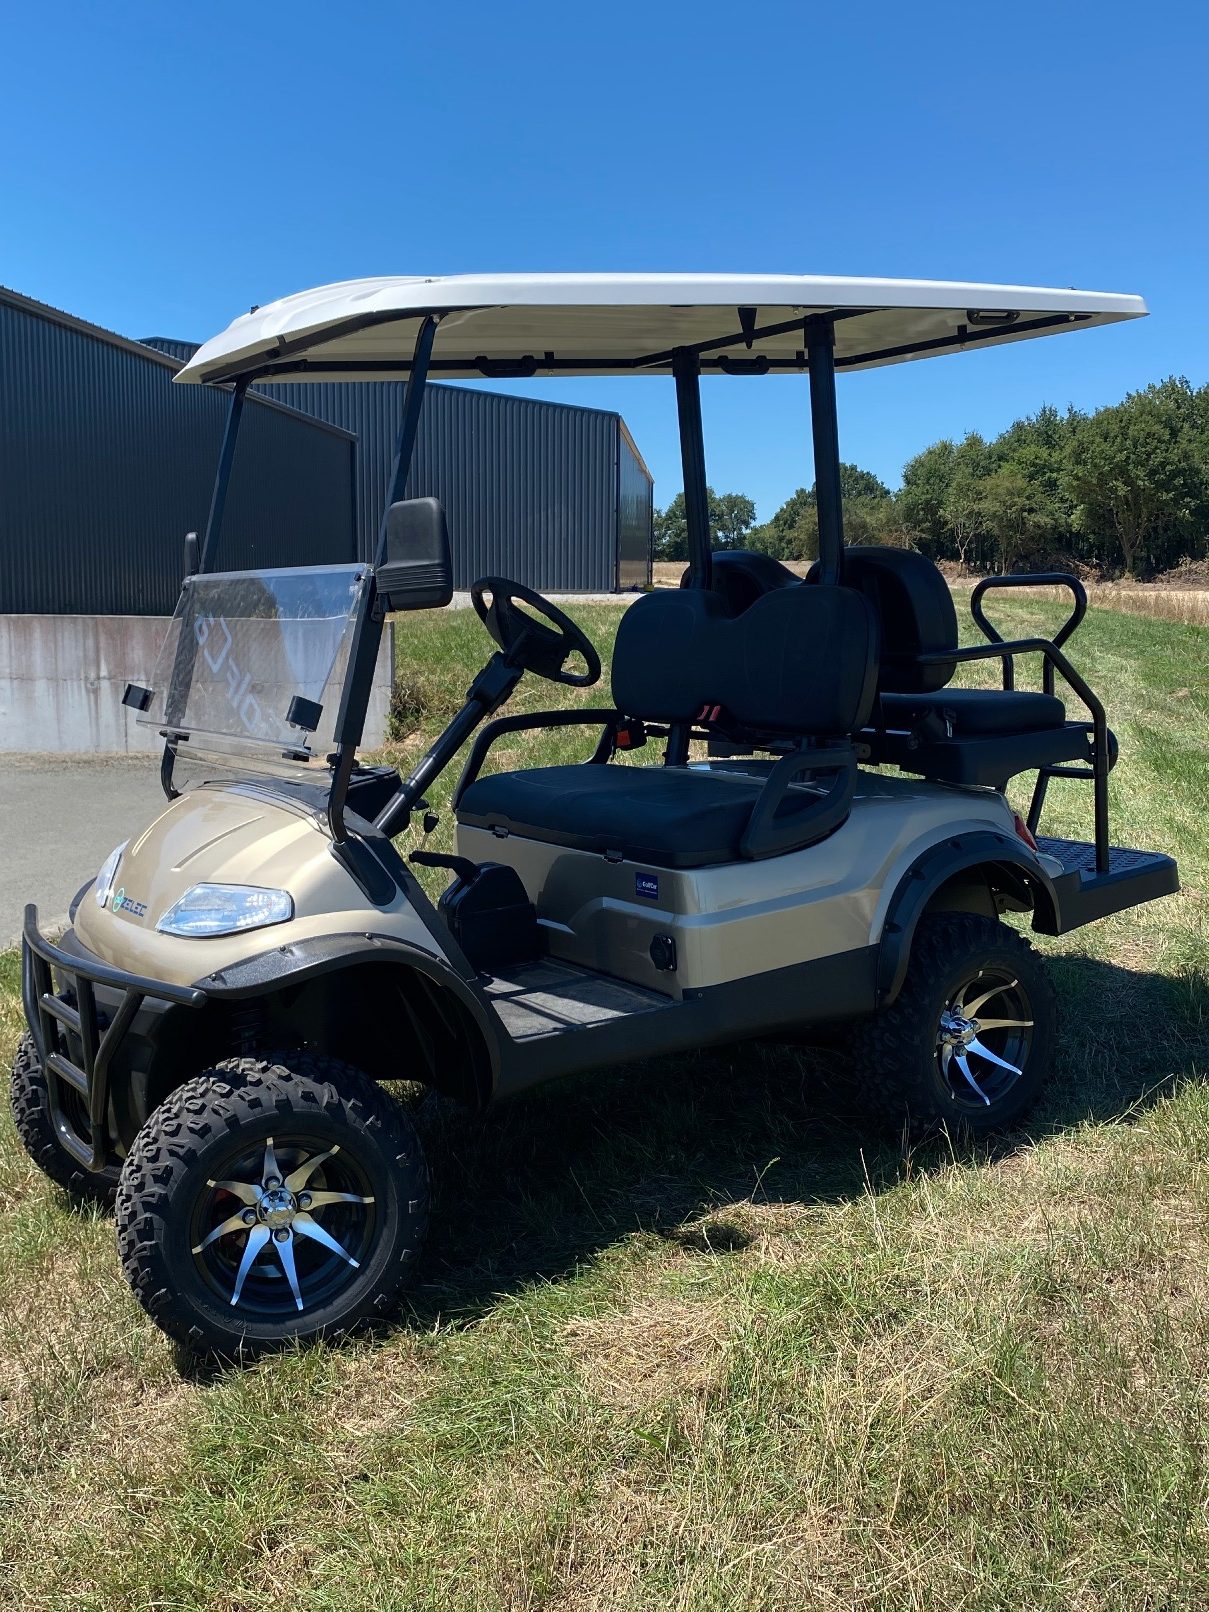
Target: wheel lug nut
(249, 1217)
(282, 1234)
(271, 1183)
(304, 1200)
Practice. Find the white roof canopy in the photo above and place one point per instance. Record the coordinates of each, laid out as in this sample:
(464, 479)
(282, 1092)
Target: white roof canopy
(601, 324)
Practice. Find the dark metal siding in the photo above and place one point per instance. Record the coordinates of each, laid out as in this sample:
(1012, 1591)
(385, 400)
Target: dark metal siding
(105, 465)
(180, 350)
(530, 489)
(635, 515)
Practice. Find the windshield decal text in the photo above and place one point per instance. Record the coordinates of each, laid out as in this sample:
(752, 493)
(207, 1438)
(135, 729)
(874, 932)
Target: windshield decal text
(225, 667)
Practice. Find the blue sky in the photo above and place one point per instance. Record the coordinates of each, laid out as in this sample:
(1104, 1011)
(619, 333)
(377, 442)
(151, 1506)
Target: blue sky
(167, 166)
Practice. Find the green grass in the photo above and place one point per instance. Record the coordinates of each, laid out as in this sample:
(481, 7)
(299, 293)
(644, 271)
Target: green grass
(690, 1335)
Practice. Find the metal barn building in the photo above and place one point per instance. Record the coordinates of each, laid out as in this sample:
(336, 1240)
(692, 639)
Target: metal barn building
(550, 494)
(105, 465)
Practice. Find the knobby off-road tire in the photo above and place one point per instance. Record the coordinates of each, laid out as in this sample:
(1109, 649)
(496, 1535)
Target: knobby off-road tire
(898, 1056)
(333, 1129)
(31, 1112)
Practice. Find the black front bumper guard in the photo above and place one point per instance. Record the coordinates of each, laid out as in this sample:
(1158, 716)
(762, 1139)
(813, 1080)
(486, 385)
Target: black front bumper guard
(75, 1040)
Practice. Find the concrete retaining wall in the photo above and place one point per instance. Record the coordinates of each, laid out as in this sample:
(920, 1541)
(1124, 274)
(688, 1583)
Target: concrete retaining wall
(62, 680)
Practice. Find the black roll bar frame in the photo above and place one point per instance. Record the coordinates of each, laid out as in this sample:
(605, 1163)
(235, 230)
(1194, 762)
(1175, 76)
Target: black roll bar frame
(1054, 661)
(55, 1022)
(817, 358)
(824, 425)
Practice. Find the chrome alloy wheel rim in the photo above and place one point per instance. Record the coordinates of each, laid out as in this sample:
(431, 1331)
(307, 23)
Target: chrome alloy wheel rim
(286, 1226)
(984, 1038)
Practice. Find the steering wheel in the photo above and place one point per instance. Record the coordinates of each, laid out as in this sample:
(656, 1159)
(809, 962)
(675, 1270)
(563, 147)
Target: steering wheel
(529, 643)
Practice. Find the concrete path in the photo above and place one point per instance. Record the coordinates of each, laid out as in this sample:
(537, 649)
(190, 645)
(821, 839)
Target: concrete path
(61, 817)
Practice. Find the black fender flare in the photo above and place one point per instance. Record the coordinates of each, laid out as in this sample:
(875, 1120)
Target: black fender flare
(301, 960)
(1006, 861)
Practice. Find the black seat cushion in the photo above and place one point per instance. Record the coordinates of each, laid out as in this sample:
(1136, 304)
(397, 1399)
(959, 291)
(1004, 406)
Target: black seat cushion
(670, 817)
(968, 712)
(799, 661)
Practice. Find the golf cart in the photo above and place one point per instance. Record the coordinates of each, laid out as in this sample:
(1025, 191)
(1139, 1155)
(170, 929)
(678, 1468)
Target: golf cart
(822, 833)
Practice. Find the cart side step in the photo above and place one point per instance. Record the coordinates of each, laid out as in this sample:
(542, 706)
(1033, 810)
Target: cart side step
(548, 998)
(1084, 895)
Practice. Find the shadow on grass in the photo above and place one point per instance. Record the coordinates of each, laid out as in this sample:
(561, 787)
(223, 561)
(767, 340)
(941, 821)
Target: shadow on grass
(539, 1187)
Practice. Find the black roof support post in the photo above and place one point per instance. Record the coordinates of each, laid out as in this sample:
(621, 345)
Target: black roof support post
(824, 425)
(367, 629)
(222, 477)
(409, 426)
(182, 666)
(686, 369)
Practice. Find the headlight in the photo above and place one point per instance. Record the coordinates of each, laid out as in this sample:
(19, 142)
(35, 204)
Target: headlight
(103, 885)
(225, 909)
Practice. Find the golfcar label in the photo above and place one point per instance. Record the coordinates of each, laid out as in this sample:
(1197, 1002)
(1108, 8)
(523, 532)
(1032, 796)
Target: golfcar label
(122, 903)
(647, 886)
(246, 706)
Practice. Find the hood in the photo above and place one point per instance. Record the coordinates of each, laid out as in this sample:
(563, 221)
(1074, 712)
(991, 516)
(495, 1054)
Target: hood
(222, 834)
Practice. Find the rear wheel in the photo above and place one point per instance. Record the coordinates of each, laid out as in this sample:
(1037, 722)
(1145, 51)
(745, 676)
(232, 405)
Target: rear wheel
(30, 1098)
(272, 1201)
(968, 1041)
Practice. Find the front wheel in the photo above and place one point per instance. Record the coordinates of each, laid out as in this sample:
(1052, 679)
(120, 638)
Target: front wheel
(269, 1202)
(969, 1039)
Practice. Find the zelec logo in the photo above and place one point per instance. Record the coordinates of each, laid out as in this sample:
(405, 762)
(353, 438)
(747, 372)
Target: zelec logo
(121, 903)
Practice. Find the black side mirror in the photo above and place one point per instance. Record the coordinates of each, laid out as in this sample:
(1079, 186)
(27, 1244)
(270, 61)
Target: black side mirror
(417, 573)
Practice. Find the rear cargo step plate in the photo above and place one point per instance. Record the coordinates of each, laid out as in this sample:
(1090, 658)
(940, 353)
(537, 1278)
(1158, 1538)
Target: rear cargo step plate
(1085, 895)
(545, 998)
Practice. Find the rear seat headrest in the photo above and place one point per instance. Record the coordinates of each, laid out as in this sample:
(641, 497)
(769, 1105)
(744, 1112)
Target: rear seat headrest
(799, 661)
(741, 576)
(914, 610)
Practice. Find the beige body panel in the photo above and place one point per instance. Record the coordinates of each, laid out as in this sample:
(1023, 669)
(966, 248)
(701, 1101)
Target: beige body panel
(233, 834)
(744, 918)
(729, 922)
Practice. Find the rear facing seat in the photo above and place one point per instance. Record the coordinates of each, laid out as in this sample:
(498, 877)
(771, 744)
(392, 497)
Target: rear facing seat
(919, 723)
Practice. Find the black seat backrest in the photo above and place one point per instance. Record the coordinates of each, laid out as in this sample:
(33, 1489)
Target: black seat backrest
(799, 661)
(740, 576)
(914, 611)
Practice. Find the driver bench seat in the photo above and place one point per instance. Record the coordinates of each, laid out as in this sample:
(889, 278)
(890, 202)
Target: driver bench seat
(798, 664)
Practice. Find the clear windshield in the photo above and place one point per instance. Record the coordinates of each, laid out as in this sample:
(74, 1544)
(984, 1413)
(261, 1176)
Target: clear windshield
(248, 658)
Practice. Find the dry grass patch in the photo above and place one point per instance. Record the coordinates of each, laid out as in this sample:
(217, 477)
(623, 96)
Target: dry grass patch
(1188, 606)
(373, 1398)
(660, 1350)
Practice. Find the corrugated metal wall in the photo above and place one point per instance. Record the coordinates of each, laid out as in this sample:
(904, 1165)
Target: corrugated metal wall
(530, 489)
(105, 465)
(635, 515)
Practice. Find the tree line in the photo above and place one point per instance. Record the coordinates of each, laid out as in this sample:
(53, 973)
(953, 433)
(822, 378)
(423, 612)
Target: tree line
(1123, 491)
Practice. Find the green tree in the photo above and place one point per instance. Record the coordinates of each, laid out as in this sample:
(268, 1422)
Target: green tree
(877, 520)
(793, 532)
(1138, 477)
(927, 479)
(1014, 514)
(731, 518)
(858, 483)
(961, 513)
